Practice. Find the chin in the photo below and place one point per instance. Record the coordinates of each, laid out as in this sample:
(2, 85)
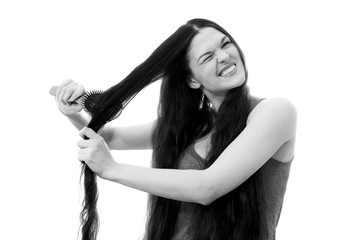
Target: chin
(240, 81)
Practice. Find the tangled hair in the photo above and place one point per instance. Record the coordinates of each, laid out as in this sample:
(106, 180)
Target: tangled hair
(184, 115)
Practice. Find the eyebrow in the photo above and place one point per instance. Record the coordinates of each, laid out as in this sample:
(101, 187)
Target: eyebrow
(209, 52)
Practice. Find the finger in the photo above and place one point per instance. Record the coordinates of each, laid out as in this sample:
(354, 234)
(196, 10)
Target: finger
(79, 91)
(88, 132)
(58, 93)
(83, 144)
(82, 151)
(66, 82)
(82, 157)
(63, 87)
(58, 90)
(62, 93)
(69, 92)
(60, 87)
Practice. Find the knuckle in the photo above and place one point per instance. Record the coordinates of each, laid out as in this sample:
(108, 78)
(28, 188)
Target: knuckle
(63, 90)
(65, 82)
(93, 145)
(99, 140)
(81, 158)
(97, 143)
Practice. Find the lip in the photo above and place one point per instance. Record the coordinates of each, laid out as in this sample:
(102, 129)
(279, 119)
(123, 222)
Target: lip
(225, 67)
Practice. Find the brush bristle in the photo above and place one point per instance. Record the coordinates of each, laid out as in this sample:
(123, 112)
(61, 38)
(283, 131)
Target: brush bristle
(89, 100)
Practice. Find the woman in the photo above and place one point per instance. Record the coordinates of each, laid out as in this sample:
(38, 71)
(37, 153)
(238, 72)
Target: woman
(221, 157)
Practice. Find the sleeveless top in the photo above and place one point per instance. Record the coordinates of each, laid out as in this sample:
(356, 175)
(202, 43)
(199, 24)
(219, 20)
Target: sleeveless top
(275, 176)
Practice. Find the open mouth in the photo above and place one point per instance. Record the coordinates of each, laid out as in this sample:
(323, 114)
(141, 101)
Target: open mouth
(227, 71)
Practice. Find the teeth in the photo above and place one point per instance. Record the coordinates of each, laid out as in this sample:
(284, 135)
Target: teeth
(227, 71)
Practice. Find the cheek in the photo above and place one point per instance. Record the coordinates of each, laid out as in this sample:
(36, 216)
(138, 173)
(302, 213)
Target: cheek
(204, 74)
(209, 71)
(240, 60)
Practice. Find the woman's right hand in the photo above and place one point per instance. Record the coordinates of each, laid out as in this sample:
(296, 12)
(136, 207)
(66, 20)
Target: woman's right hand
(66, 95)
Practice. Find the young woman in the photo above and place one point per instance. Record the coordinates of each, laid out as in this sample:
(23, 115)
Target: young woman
(221, 157)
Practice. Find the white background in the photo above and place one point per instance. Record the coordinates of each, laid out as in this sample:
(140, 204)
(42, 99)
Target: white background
(306, 51)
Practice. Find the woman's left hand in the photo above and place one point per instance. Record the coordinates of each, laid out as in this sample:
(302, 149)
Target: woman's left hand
(95, 153)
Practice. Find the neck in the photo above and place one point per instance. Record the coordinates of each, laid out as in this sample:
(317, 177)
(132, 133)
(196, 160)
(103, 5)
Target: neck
(216, 101)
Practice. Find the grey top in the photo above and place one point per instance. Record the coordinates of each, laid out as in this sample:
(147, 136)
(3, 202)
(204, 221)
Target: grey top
(275, 174)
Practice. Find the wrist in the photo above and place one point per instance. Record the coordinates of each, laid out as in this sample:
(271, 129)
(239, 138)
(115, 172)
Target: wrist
(77, 119)
(112, 174)
(72, 115)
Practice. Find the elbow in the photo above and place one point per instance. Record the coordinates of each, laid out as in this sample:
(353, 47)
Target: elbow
(206, 201)
(206, 194)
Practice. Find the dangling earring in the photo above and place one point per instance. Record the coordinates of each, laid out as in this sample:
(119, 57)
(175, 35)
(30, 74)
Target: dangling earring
(202, 101)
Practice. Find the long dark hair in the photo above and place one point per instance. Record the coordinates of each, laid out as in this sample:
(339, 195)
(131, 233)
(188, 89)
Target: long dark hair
(185, 114)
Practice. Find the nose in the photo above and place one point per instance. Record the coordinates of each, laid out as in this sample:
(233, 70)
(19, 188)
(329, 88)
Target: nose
(223, 56)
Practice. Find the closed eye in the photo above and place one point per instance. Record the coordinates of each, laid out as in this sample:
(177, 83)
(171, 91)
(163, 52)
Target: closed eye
(226, 44)
(208, 57)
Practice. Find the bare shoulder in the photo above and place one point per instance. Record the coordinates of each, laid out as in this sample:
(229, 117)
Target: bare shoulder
(276, 116)
(275, 120)
(276, 108)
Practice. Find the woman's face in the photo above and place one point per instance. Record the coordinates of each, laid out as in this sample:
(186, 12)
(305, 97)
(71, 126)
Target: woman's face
(215, 63)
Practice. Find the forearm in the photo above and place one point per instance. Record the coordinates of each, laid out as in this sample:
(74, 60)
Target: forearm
(78, 120)
(181, 185)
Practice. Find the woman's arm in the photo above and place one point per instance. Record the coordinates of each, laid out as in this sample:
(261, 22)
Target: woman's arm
(67, 92)
(272, 125)
(130, 137)
(121, 138)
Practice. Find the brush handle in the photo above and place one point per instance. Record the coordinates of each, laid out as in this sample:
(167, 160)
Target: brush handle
(53, 90)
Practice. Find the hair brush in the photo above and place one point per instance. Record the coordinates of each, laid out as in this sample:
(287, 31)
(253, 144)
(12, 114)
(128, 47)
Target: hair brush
(87, 100)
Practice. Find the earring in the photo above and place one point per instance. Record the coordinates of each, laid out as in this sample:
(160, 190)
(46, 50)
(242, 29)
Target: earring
(202, 101)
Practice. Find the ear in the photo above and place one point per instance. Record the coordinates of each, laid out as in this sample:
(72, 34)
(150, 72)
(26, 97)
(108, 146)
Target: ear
(193, 83)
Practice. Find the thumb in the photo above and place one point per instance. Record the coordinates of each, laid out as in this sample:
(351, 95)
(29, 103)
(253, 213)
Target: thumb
(88, 133)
